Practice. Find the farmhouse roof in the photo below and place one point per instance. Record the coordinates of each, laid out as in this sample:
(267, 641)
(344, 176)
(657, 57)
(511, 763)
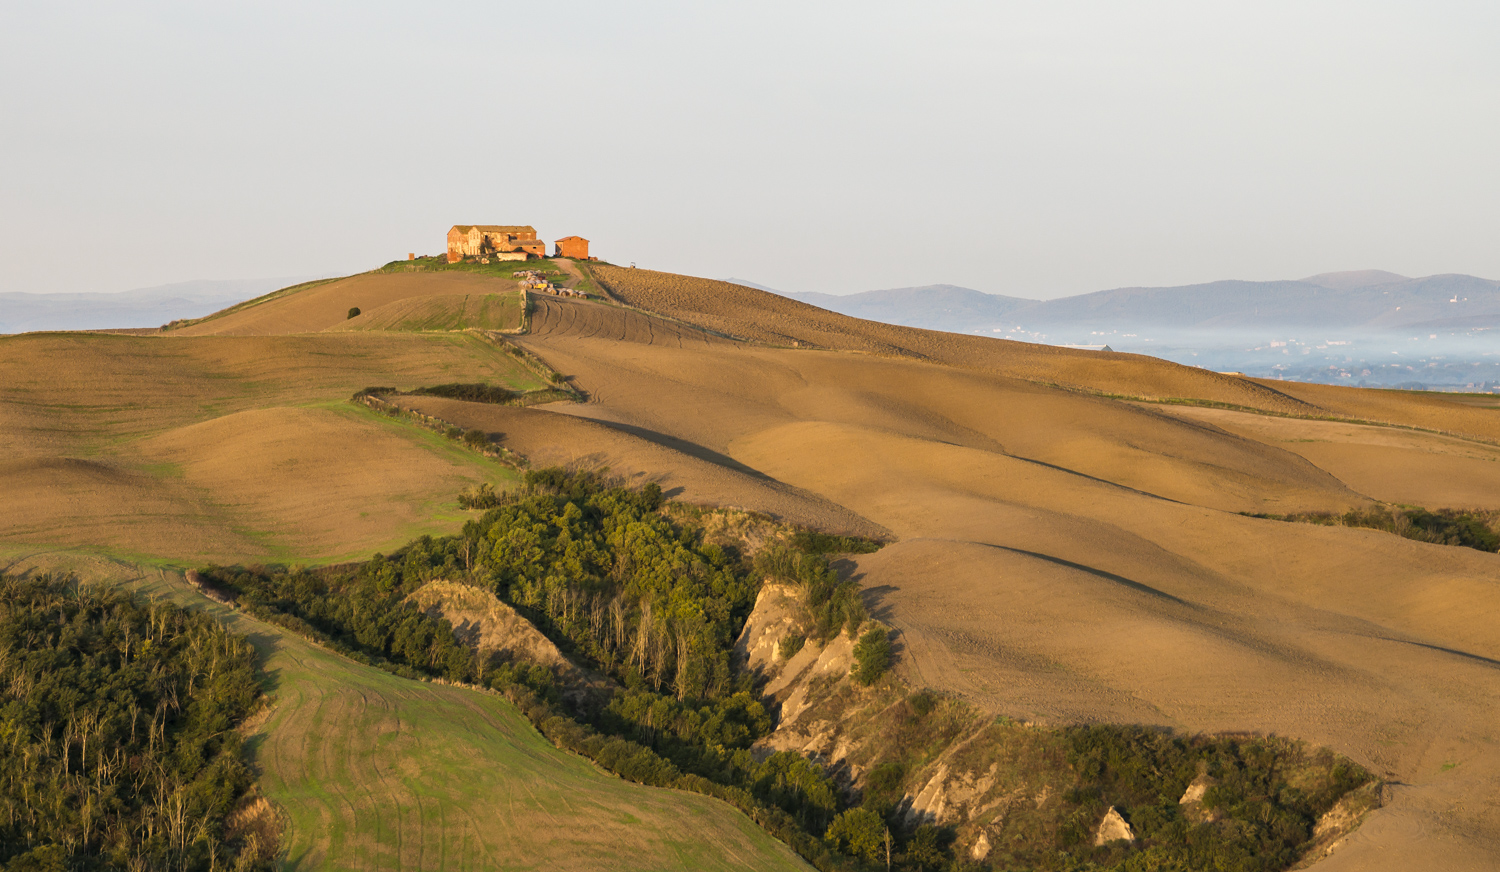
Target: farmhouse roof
(566, 238)
(496, 228)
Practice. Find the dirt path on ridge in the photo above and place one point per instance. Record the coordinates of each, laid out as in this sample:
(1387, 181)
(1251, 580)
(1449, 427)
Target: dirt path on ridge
(571, 268)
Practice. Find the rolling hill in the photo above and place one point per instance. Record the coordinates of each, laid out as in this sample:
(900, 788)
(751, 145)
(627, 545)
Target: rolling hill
(1364, 300)
(1071, 533)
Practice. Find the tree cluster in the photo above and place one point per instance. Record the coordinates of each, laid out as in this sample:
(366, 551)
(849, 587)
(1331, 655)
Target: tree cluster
(622, 589)
(1465, 528)
(118, 742)
(1265, 793)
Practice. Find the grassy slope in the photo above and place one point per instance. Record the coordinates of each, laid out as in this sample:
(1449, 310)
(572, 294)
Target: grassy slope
(499, 311)
(377, 772)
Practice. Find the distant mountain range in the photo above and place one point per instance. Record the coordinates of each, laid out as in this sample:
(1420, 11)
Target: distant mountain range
(143, 307)
(1369, 300)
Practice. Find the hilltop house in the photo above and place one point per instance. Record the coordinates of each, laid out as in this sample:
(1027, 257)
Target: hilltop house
(572, 246)
(493, 240)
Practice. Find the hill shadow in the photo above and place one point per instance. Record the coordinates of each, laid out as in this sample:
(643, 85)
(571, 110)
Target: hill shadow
(691, 449)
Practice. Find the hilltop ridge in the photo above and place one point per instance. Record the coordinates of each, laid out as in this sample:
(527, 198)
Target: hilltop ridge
(1364, 299)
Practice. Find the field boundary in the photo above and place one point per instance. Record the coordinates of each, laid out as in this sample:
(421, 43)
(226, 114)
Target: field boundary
(533, 363)
(1234, 407)
(377, 401)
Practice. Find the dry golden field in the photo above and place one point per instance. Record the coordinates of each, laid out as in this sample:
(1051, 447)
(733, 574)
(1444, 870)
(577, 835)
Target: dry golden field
(1067, 557)
(1067, 545)
(229, 448)
(327, 304)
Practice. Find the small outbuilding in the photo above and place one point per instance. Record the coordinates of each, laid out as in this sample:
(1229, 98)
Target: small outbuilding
(575, 247)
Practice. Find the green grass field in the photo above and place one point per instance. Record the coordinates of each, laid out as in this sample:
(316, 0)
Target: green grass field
(375, 772)
(504, 269)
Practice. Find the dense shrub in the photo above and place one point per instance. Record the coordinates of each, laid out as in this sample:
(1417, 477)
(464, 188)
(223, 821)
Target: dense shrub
(813, 542)
(1266, 818)
(1466, 528)
(353, 313)
(872, 656)
(835, 604)
(473, 393)
(482, 497)
(858, 832)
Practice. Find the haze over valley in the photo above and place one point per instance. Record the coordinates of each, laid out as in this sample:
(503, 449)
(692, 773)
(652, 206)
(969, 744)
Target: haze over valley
(1367, 328)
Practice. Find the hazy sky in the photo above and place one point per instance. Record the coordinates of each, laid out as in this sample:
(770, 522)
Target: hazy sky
(1036, 149)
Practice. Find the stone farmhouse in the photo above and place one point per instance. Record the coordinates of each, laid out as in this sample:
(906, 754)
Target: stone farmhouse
(572, 246)
(498, 241)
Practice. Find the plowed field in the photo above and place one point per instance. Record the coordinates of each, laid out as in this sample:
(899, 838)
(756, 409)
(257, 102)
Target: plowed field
(327, 305)
(444, 312)
(229, 448)
(684, 472)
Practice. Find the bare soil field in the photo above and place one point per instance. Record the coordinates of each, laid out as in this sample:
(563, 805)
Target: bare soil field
(229, 448)
(574, 318)
(1391, 465)
(327, 305)
(707, 395)
(550, 438)
(374, 772)
(1451, 413)
(756, 315)
(1067, 558)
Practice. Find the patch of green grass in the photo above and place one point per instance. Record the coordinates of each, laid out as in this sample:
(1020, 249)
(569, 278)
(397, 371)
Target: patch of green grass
(378, 772)
(506, 269)
(163, 470)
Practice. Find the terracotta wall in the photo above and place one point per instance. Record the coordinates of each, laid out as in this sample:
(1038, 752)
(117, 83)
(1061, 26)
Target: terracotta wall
(573, 246)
